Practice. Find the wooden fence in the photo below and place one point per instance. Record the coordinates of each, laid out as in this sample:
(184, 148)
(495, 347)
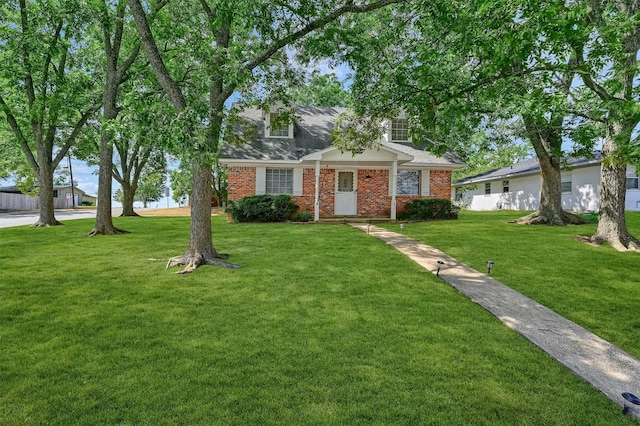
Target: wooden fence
(24, 202)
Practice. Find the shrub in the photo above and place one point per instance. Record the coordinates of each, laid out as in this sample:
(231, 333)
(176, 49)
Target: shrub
(86, 203)
(302, 217)
(262, 208)
(430, 208)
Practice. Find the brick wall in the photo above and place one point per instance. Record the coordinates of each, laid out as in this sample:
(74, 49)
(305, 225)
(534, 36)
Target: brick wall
(440, 184)
(373, 189)
(326, 192)
(373, 193)
(241, 182)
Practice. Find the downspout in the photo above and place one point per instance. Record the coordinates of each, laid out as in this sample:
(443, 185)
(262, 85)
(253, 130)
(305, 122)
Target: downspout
(316, 204)
(394, 188)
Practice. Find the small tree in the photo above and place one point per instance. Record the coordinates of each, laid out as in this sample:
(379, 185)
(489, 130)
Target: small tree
(151, 187)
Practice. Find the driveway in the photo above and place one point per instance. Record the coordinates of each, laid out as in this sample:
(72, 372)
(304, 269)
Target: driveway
(29, 218)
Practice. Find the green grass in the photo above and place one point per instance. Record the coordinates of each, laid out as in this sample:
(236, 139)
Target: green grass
(324, 325)
(596, 287)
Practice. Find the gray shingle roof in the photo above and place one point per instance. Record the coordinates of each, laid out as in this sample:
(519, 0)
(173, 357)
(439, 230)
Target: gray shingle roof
(312, 133)
(526, 167)
(420, 156)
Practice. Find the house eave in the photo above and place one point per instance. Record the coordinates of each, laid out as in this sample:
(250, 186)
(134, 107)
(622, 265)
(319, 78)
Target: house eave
(458, 183)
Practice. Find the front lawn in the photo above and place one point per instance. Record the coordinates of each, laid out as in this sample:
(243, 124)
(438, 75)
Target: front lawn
(596, 287)
(324, 325)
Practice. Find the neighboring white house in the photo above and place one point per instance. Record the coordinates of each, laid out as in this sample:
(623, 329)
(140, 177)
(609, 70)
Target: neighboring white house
(517, 187)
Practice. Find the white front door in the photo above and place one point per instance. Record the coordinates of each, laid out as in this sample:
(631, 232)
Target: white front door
(346, 193)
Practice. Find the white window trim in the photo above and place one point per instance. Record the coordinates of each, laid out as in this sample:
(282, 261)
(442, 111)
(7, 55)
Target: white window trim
(261, 179)
(267, 129)
(419, 182)
(566, 177)
(390, 131)
(425, 182)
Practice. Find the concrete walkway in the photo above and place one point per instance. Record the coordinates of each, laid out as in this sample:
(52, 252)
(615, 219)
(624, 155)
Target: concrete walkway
(604, 366)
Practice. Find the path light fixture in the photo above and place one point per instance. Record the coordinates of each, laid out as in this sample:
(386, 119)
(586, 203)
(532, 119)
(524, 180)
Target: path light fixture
(402, 226)
(368, 227)
(632, 399)
(489, 266)
(440, 263)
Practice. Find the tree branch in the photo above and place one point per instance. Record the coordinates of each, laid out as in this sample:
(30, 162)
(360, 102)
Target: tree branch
(26, 53)
(15, 127)
(349, 7)
(75, 132)
(153, 54)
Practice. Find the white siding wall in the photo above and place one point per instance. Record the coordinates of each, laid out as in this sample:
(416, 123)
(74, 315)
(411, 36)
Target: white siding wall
(633, 195)
(524, 193)
(585, 190)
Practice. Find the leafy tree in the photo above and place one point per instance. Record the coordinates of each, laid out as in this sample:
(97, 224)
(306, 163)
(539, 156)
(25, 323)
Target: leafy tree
(237, 46)
(118, 195)
(114, 29)
(220, 183)
(492, 150)
(151, 187)
(605, 39)
(12, 158)
(321, 90)
(459, 68)
(46, 95)
(181, 179)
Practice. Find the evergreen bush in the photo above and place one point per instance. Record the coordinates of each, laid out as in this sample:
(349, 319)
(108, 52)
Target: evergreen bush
(429, 208)
(262, 208)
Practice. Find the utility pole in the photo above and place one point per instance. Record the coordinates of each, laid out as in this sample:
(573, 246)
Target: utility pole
(73, 195)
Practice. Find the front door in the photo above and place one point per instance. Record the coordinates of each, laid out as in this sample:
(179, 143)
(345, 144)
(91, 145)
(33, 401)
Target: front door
(346, 193)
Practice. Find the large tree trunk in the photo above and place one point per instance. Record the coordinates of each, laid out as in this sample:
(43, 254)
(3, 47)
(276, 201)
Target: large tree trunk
(546, 142)
(104, 220)
(201, 251)
(612, 224)
(128, 196)
(45, 181)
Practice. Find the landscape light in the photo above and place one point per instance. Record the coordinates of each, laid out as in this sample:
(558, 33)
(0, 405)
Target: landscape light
(368, 227)
(632, 399)
(440, 263)
(489, 266)
(402, 226)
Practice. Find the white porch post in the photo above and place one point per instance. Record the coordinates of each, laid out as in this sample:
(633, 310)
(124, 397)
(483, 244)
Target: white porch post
(394, 187)
(316, 204)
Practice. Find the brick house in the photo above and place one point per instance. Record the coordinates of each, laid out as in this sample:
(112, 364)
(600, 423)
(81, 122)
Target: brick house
(298, 159)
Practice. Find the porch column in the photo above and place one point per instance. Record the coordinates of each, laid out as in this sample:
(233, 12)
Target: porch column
(394, 187)
(316, 204)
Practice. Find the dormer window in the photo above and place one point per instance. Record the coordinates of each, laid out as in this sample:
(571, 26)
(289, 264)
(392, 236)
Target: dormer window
(278, 125)
(399, 131)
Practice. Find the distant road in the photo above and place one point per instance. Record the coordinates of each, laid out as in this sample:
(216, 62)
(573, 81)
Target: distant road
(29, 218)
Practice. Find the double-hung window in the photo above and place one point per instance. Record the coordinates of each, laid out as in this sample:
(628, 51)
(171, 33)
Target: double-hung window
(408, 182)
(505, 186)
(632, 183)
(487, 188)
(399, 130)
(279, 126)
(279, 181)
